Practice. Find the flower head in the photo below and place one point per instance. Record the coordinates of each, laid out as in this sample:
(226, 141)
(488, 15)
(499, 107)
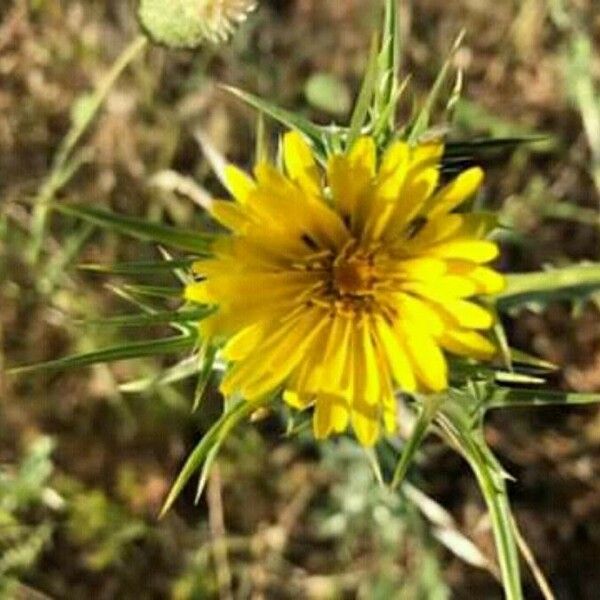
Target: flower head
(344, 286)
(220, 17)
(190, 23)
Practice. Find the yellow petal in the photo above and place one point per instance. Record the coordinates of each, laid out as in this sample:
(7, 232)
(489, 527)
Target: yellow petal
(296, 400)
(427, 154)
(363, 155)
(198, 293)
(469, 314)
(336, 357)
(331, 414)
(447, 286)
(244, 342)
(396, 355)
(229, 214)
(426, 357)
(393, 171)
(424, 314)
(365, 422)
(478, 251)
(485, 279)
(350, 175)
(468, 343)
(239, 183)
(271, 363)
(417, 188)
(423, 268)
(455, 193)
(367, 386)
(300, 163)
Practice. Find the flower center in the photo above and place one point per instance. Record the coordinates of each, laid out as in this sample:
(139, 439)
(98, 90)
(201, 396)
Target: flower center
(353, 275)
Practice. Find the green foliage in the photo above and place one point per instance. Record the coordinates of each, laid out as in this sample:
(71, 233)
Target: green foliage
(358, 513)
(21, 490)
(103, 528)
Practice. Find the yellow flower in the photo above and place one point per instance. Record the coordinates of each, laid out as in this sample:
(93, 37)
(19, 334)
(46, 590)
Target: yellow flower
(220, 17)
(343, 287)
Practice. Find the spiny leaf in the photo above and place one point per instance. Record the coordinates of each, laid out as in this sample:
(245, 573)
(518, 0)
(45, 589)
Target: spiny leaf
(289, 119)
(144, 319)
(523, 359)
(191, 241)
(388, 65)
(426, 416)
(182, 370)
(128, 351)
(542, 287)
(139, 268)
(510, 398)
(218, 431)
(421, 123)
(361, 108)
(153, 291)
(206, 359)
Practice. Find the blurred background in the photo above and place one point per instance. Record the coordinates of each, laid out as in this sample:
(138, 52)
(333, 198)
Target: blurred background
(85, 464)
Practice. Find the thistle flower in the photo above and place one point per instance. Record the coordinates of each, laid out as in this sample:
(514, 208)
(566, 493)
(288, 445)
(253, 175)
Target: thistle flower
(220, 17)
(345, 286)
(189, 23)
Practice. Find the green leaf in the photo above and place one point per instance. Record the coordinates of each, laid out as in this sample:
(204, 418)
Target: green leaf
(145, 319)
(289, 119)
(153, 291)
(421, 123)
(206, 361)
(367, 90)
(527, 360)
(182, 239)
(388, 66)
(230, 419)
(182, 370)
(128, 351)
(543, 287)
(328, 93)
(498, 397)
(151, 267)
(428, 411)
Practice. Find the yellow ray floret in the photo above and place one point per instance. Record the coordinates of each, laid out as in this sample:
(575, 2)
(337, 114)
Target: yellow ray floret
(342, 286)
